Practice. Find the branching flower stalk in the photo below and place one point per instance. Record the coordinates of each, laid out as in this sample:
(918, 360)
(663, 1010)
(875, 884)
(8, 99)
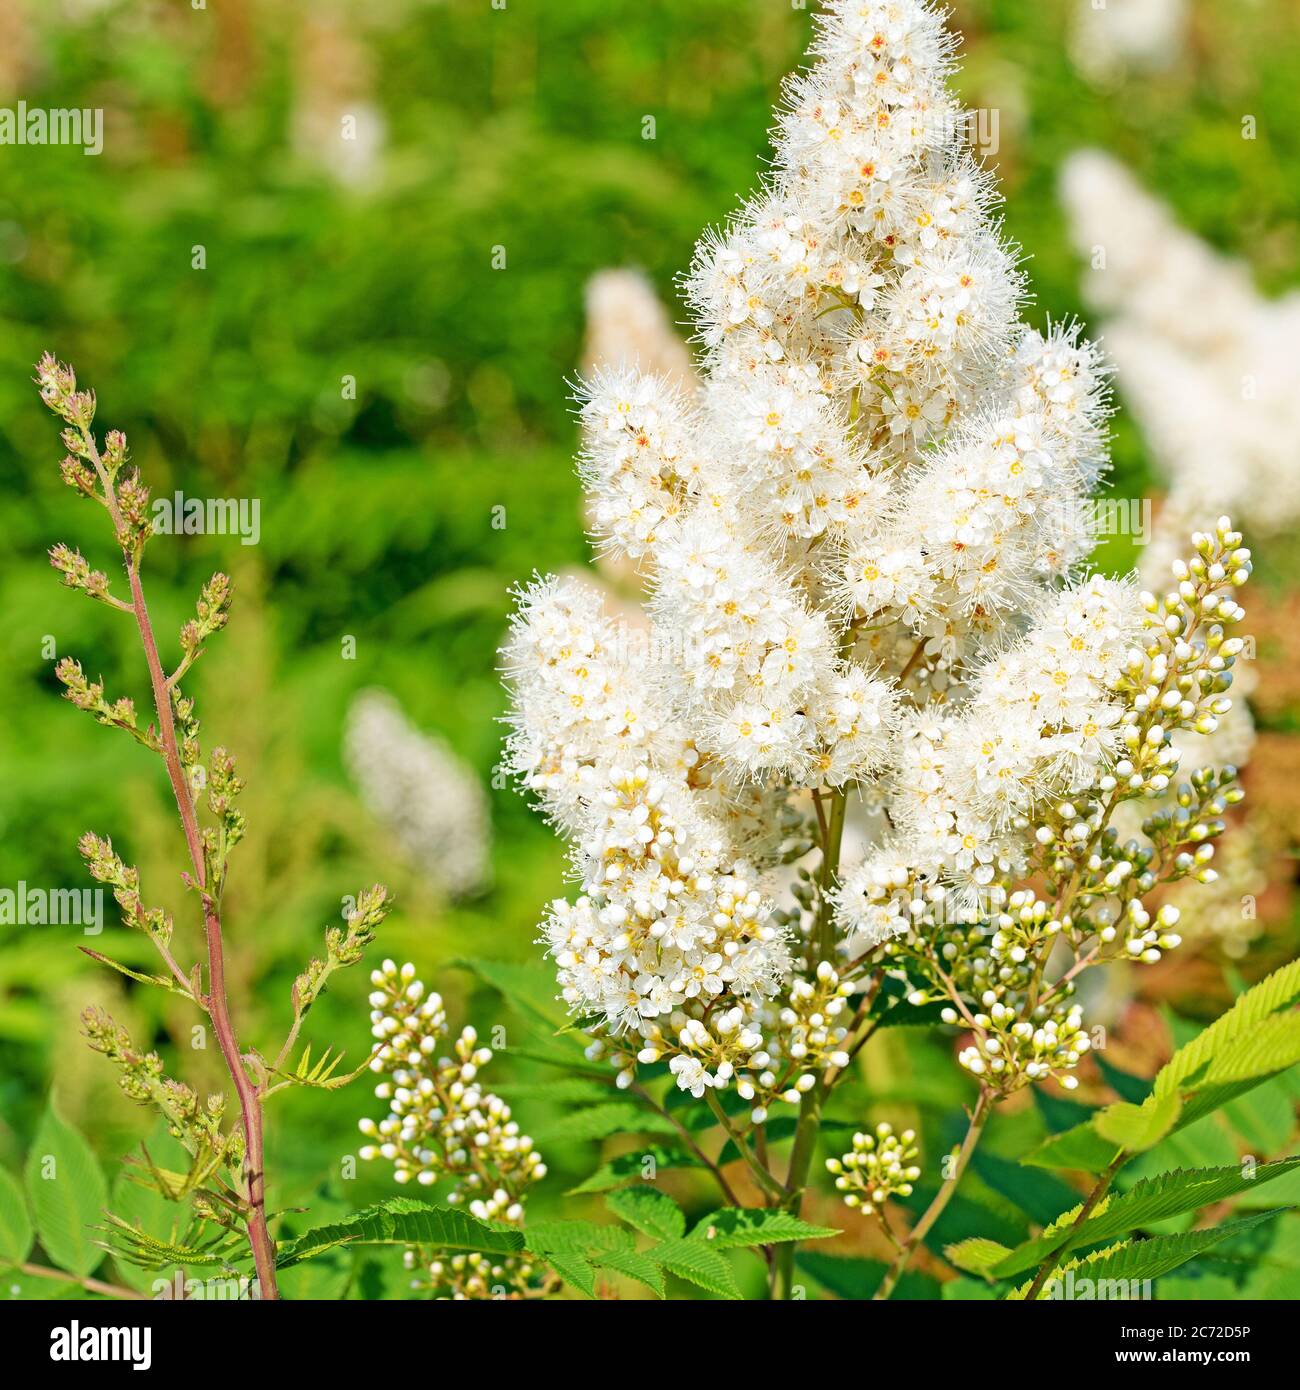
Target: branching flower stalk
(864, 537)
(104, 476)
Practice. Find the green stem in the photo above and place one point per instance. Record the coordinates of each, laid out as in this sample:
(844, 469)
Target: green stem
(978, 1119)
(801, 1157)
(766, 1182)
(810, 1107)
(1085, 1211)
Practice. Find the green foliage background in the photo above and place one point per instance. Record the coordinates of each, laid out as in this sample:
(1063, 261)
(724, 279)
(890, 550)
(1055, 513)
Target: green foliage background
(519, 128)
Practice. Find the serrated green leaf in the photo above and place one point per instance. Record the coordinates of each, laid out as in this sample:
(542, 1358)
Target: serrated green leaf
(1040, 1195)
(574, 1248)
(1148, 1201)
(576, 1270)
(649, 1211)
(1268, 1048)
(142, 1206)
(586, 1238)
(635, 1264)
(564, 1090)
(403, 1221)
(1081, 1147)
(602, 1121)
(16, 1234)
(736, 1228)
(530, 987)
(68, 1195)
(319, 1075)
(695, 1262)
(1134, 1089)
(1139, 1260)
(976, 1255)
(1136, 1128)
(632, 1167)
(1276, 992)
(127, 1242)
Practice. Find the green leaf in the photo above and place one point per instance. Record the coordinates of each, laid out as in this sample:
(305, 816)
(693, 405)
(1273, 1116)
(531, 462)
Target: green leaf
(1277, 991)
(575, 1270)
(856, 1280)
(546, 1238)
(650, 1211)
(403, 1221)
(1134, 1089)
(166, 982)
(1081, 1147)
(530, 987)
(127, 1242)
(565, 1090)
(632, 1166)
(602, 1121)
(693, 1261)
(1139, 1260)
(320, 1075)
(734, 1228)
(573, 1248)
(142, 1206)
(1148, 1201)
(68, 1195)
(637, 1265)
(15, 1224)
(1039, 1194)
(1092, 1145)
(976, 1255)
(1135, 1128)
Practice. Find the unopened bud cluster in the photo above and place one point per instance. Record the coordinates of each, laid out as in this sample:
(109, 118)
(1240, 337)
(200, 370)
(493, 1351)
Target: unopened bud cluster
(878, 1167)
(441, 1124)
(194, 1122)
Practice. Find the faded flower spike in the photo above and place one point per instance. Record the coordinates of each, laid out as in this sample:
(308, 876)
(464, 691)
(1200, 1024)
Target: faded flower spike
(226, 1179)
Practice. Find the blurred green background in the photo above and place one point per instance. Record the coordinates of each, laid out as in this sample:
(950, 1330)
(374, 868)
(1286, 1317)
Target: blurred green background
(477, 128)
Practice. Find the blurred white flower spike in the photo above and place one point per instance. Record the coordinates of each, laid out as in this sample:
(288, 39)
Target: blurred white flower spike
(421, 793)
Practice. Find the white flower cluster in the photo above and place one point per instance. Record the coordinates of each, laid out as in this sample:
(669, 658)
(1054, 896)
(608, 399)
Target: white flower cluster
(415, 786)
(860, 532)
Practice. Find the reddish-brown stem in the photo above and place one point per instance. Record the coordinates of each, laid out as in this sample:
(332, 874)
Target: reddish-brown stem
(259, 1235)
